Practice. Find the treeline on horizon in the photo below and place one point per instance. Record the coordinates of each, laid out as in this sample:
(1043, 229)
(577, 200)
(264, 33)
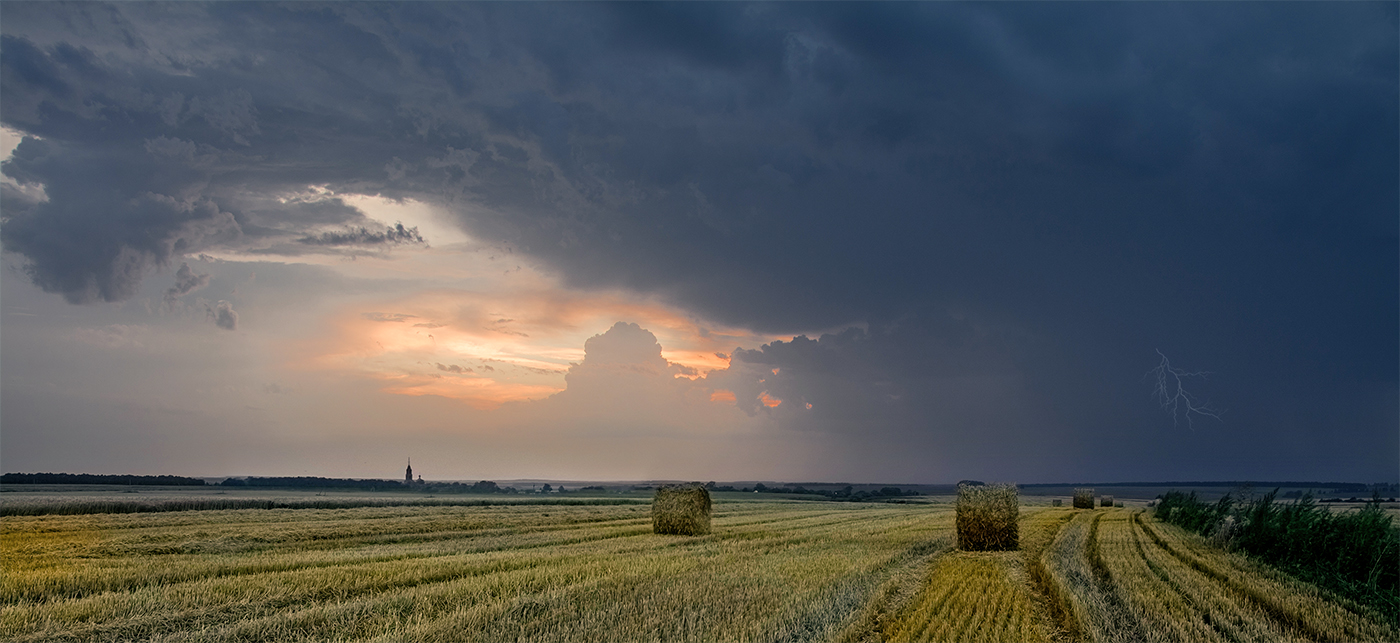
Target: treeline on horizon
(93, 478)
(846, 493)
(486, 486)
(1335, 486)
(376, 484)
(371, 484)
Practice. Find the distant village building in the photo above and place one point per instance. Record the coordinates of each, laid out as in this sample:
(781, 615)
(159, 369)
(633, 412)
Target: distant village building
(408, 473)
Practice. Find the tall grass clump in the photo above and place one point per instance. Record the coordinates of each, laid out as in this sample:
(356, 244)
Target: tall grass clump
(986, 517)
(1355, 553)
(1083, 498)
(681, 509)
(1106, 501)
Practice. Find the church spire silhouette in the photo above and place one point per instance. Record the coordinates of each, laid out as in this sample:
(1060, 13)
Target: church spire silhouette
(408, 473)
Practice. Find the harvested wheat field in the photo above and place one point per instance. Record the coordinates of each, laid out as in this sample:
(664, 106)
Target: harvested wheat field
(769, 570)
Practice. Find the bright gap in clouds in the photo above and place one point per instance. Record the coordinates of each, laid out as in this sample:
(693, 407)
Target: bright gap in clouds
(9, 140)
(431, 222)
(490, 348)
(475, 323)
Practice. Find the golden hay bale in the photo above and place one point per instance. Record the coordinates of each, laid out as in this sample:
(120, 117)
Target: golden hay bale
(1083, 498)
(1106, 501)
(1056, 502)
(681, 509)
(986, 517)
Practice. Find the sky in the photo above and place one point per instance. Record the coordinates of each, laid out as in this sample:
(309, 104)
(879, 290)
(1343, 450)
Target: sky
(859, 242)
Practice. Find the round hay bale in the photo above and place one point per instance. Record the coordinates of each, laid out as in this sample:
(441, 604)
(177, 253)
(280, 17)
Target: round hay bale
(681, 509)
(986, 517)
(1057, 502)
(1083, 498)
(1106, 501)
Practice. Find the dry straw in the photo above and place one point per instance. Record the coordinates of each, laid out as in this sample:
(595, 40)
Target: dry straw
(1083, 498)
(987, 517)
(681, 509)
(1106, 501)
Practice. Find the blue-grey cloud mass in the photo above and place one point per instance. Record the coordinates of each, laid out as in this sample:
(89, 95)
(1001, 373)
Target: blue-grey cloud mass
(996, 213)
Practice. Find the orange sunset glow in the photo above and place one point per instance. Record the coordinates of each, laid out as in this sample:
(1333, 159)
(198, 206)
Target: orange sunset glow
(488, 349)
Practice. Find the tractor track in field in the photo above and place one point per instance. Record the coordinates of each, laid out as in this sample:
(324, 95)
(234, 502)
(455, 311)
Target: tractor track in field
(1104, 585)
(1202, 610)
(1285, 620)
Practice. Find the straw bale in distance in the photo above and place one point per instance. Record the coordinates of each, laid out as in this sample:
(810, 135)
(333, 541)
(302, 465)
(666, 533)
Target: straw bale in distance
(1106, 501)
(1056, 502)
(986, 517)
(1083, 498)
(681, 509)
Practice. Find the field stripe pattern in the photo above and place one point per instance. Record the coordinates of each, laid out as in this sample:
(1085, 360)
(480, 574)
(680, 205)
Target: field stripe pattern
(771, 571)
(1159, 583)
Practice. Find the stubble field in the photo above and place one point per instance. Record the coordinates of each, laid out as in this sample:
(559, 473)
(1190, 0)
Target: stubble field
(772, 570)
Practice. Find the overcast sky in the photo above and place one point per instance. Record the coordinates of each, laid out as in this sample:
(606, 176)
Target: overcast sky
(871, 242)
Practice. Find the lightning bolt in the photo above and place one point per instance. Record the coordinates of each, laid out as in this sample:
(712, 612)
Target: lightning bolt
(1170, 392)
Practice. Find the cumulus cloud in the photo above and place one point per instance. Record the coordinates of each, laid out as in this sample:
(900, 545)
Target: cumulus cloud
(223, 315)
(186, 282)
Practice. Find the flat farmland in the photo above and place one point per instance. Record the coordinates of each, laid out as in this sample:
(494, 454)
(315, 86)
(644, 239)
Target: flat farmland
(771, 570)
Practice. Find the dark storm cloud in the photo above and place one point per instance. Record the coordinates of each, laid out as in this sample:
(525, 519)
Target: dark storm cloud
(393, 236)
(453, 368)
(223, 314)
(186, 282)
(1081, 183)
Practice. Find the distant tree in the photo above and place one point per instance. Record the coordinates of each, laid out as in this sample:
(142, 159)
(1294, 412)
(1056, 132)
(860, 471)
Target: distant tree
(546, 488)
(760, 487)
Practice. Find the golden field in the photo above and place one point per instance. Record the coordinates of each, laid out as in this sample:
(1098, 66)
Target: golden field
(770, 570)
